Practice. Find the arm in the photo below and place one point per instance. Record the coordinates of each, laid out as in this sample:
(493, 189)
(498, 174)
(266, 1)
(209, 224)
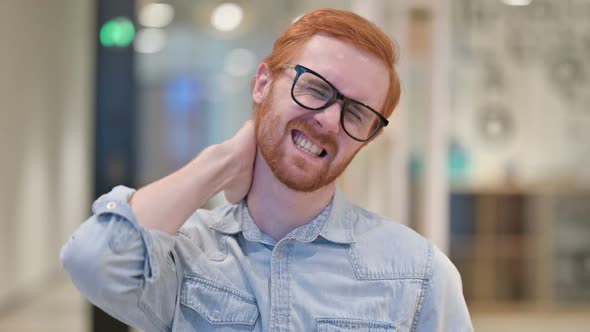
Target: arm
(122, 257)
(122, 267)
(442, 307)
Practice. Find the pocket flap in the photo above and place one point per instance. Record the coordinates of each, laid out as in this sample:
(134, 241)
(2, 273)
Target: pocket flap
(334, 324)
(217, 303)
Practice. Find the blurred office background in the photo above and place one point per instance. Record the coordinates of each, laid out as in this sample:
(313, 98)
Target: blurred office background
(487, 154)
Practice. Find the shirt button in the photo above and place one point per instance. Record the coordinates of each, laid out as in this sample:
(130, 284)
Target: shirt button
(280, 320)
(111, 205)
(280, 254)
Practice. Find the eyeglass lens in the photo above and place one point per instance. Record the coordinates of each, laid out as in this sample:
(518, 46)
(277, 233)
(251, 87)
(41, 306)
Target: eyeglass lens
(313, 92)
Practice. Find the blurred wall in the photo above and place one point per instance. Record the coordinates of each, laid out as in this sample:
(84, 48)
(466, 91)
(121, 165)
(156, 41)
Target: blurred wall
(45, 137)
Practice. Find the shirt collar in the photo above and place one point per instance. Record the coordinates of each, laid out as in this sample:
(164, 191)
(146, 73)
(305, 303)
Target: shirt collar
(339, 227)
(334, 223)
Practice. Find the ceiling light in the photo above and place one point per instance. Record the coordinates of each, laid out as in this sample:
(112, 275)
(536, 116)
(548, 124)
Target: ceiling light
(227, 16)
(156, 15)
(149, 40)
(517, 2)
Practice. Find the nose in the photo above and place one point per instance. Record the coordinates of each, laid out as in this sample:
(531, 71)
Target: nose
(328, 119)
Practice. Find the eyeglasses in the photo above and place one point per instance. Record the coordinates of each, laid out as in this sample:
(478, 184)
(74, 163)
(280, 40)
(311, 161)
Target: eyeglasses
(313, 92)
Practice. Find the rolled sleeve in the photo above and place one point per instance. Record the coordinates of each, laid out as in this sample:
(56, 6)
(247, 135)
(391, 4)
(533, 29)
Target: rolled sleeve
(120, 266)
(116, 202)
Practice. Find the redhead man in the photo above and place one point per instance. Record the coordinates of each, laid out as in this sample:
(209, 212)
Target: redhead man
(289, 253)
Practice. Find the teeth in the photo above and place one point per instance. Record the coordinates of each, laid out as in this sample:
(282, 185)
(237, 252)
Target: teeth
(298, 140)
(315, 150)
(306, 145)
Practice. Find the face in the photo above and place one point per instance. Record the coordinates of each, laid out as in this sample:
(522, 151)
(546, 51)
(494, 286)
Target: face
(307, 150)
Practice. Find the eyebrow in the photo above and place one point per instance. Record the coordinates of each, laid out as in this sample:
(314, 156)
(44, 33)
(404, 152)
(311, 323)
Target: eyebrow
(329, 82)
(354, 100)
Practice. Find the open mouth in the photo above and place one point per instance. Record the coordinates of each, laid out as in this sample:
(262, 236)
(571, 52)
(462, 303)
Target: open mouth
(306, 146)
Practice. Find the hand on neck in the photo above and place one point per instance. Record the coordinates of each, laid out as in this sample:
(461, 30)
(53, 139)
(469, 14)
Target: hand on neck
(277, 209)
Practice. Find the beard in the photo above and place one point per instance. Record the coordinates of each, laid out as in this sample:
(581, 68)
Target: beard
(270, 139)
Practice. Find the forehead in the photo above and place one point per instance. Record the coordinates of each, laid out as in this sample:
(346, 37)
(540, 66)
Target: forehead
(354, 72)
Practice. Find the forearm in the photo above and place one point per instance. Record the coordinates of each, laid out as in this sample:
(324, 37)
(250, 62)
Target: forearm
(167, 203)
(120, 266)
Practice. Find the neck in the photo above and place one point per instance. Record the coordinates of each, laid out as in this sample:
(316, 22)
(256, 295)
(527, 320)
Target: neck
(277, 209)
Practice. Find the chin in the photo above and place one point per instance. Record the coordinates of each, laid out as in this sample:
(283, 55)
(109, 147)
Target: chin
(301, 178)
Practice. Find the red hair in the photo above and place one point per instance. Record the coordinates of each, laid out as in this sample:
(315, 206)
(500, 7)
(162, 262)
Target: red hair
(347, 27)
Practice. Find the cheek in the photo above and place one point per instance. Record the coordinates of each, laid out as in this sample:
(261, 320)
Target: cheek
(348, 149)
(284, 112)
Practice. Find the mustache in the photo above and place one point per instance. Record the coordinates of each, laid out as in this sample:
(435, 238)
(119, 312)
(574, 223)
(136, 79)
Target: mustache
(306, 126)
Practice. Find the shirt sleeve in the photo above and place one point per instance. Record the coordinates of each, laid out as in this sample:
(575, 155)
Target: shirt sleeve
(442, 306)
(126, 270)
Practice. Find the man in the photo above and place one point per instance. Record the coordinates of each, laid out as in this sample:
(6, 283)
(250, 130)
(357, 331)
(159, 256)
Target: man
(292, 254)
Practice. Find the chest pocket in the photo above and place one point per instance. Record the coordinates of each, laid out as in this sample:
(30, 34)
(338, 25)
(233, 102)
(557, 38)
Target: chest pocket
(352, 325)
(216, 303)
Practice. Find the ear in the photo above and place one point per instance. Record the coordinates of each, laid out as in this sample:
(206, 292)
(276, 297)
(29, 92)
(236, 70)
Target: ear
(262, 83)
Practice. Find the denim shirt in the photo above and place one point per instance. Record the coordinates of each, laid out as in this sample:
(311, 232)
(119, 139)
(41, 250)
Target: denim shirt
(347, 270)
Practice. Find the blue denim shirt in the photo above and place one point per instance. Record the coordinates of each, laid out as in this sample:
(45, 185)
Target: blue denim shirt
(346, 270)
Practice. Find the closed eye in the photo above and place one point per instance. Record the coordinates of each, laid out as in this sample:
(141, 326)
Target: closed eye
(318, 92)
(355, 113)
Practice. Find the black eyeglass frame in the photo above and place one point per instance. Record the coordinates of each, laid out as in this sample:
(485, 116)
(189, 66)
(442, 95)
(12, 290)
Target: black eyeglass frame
(383, 122)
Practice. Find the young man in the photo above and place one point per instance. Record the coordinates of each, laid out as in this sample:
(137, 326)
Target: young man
(292, 254)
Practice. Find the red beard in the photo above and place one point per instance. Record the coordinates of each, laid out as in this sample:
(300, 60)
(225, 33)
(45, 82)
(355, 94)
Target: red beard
(270, 139)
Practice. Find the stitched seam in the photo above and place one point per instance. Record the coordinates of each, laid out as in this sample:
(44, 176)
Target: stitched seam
(359, 270)
(152, 316)
(288, 262)
(423, 289)
(393, 276)
(215, 286)
(204, 312)
(421, 296)
(354, 323)
(151, 262)
(185, 234)
(185, 300)
(354, 262)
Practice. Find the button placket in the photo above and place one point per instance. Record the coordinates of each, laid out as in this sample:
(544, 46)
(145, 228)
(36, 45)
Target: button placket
(280, 320)
(280, 287)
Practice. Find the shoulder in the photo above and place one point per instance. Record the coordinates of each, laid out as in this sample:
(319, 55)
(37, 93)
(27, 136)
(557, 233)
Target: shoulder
(390, 248)
(201, 240)
(201, 224)
(370, 226)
